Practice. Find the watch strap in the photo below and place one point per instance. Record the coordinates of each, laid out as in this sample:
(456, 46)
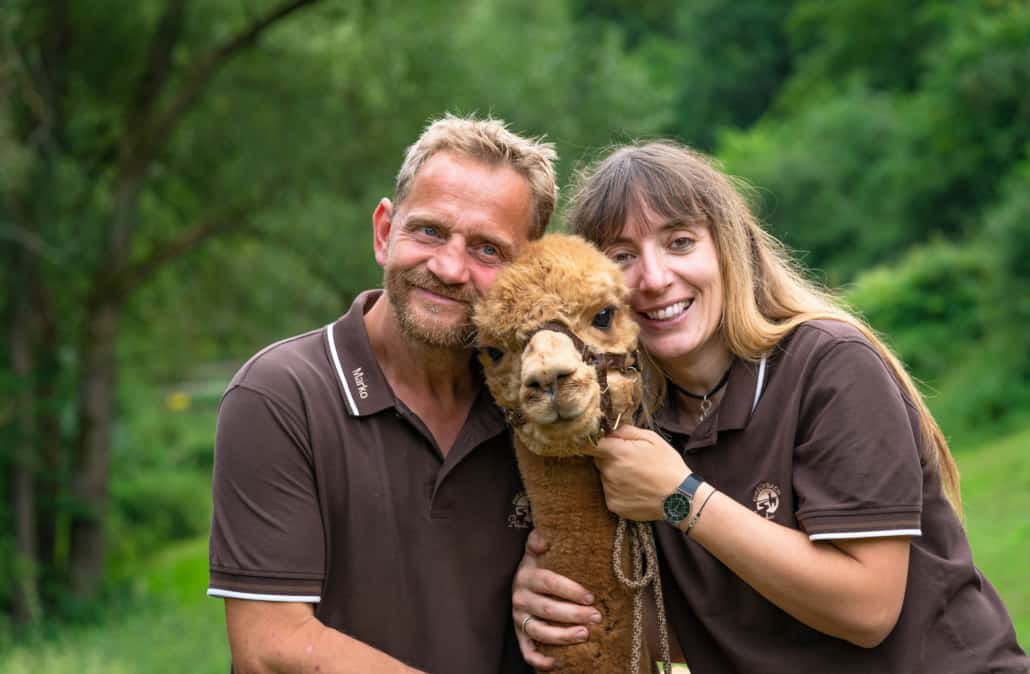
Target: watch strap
(689, 485)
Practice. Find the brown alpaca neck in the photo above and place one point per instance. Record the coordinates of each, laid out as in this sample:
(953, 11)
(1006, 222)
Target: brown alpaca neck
(569, 512)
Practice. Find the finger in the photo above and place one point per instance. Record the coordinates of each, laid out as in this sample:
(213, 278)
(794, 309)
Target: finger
(536, 543)
(563, 613)
(628, 432)
(547, 583)
(544, 632)
(532, 656)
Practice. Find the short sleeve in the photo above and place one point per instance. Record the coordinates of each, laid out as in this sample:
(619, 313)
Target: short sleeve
(267, 539)
(857, 468)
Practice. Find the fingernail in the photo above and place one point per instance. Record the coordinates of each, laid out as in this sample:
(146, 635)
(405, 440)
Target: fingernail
(581, 635)
(590, 599)
(595, 618)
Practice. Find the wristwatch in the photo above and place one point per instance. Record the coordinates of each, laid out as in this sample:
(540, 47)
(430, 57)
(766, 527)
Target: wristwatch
(676, 505)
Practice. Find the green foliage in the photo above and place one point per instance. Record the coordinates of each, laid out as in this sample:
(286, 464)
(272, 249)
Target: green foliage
(827, 178)
(931, 305)
(996, 496)
(162, 463)
(882, 41)
(167, 627)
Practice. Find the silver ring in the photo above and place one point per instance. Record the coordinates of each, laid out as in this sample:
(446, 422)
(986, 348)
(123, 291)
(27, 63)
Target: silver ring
(526, 621)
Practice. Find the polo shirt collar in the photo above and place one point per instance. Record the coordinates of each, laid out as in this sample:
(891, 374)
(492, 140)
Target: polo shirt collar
(361, 381)
(732, 413)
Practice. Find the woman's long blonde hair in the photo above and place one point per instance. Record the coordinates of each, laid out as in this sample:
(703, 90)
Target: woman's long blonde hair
(766, 294)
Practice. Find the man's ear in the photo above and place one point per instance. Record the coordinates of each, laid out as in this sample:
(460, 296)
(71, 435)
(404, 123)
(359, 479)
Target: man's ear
(382, 223)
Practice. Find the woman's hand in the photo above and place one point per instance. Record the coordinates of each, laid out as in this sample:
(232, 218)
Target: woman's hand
(557, 608)
(638, 469)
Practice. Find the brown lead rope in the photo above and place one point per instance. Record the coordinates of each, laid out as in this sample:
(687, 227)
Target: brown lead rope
(642, 540)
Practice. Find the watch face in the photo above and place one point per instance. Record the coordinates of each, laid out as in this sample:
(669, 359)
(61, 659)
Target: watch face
(676, 506)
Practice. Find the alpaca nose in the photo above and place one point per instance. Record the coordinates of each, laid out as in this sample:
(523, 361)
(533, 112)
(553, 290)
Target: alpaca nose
(548, 359)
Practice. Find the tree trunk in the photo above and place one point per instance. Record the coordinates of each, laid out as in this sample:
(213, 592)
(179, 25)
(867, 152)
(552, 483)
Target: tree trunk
(25, 602)
(92, 450)
(52, 520)
(26, 607)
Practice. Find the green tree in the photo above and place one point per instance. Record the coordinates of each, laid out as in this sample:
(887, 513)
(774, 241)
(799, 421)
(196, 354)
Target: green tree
(188, 181)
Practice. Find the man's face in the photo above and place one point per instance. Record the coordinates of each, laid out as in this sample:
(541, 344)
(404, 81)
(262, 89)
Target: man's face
(441, 248)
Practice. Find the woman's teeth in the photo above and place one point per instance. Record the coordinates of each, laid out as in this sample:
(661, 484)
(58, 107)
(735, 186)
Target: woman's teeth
(668, 312)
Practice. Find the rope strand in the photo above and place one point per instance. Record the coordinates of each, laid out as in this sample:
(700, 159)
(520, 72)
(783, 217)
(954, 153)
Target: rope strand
(645, 572)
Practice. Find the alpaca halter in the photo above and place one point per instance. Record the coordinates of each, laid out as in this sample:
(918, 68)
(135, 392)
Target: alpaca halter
(625, 363)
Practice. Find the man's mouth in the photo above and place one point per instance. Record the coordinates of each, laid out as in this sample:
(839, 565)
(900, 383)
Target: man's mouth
(669, 312)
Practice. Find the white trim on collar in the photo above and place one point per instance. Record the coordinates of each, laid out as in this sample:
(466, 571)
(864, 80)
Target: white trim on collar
(339, 368)
(758, 385)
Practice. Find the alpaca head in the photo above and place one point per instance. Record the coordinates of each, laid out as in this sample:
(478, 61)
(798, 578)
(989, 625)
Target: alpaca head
(546, 314)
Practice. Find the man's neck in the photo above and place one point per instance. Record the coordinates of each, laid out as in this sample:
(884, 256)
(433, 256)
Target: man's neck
(418, 373)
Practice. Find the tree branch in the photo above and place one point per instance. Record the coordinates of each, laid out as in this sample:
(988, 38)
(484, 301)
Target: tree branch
(200, 74)
(159, 62)
(214, 224)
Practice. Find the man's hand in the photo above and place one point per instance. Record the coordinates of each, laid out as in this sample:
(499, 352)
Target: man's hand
(558, 608)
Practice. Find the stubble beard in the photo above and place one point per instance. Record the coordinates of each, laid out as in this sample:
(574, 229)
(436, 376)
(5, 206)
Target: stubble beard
(399, 285)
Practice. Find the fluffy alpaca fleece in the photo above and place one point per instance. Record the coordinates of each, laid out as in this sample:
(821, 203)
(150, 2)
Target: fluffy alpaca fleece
(542, 376)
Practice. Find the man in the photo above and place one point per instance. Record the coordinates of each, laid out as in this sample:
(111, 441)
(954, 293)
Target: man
(364, 484)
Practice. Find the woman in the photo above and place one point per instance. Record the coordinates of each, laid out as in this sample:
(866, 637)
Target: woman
(825, 532)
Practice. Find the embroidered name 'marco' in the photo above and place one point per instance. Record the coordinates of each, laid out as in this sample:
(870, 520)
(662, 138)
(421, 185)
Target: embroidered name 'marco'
(359, 382)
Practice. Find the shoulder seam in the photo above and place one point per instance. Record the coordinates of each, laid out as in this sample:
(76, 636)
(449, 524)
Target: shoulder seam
(268, 396)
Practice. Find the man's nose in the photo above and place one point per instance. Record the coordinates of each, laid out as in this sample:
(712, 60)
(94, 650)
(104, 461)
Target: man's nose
(450, 263)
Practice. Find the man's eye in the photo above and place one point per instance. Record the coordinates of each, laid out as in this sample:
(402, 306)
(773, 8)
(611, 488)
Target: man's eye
(494, 353)
(429, 230)
(603, 319)
(490, 250)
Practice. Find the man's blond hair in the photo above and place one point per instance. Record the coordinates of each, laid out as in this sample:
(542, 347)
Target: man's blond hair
(487, 140)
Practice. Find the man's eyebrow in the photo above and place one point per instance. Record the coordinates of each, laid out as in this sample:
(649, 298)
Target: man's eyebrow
(418, 220)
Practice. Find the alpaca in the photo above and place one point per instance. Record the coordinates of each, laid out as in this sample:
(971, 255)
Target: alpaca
(559, 353)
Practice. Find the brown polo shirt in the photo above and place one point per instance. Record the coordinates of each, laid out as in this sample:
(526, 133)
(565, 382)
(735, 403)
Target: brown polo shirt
(328, 490)
(831, 448)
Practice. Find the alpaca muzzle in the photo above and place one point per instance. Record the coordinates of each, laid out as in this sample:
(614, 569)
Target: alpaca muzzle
(553, 361)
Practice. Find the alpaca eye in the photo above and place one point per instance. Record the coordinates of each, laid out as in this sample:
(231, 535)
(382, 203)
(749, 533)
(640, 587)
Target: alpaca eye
(603, 319)
(494, 353)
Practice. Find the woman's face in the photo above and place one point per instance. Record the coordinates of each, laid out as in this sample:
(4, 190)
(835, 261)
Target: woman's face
(673, 271)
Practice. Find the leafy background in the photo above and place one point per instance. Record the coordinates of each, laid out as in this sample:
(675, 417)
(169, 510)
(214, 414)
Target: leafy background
(183, 183)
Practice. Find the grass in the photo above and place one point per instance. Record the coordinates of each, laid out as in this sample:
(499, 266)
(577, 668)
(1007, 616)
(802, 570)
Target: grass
(174, 628)
(996, 496)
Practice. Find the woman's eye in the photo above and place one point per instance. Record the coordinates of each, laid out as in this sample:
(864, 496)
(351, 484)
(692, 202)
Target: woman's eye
(603, 319)
(681, 243)
(620, 258)
(494, 353)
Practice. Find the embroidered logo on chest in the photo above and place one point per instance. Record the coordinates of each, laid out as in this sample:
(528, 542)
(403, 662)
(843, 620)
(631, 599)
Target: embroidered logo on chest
(521, 516)
(767, 499)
